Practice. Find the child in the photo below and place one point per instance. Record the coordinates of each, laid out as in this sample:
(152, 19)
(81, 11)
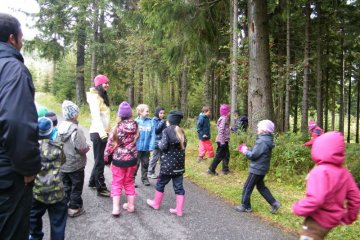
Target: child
(332, 197)
(75, 149)
(203, 130)
(222, 140)
(121, 146)
(41, 111)
(172, 165)
(240, 122)
(315, 132)
(259, 157)
(53, 118)
(160, 125)
(48, 187)
(146, 141)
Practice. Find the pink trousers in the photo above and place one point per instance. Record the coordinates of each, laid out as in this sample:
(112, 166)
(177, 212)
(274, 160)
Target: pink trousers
(205, 146)
(123, 178)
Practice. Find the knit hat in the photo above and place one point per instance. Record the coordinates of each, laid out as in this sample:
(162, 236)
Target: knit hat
(174, 117)
(52, 117)
(45, 127)
(266, 126)
(124, 110)
(311, 125)
(158, 110)
(224, 109)
(100, 79)
(42, 111)
(69, 109)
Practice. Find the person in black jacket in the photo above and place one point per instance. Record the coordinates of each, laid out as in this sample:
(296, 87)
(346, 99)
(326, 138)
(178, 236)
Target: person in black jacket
(19, 148)
(172, 165)
(259, 157)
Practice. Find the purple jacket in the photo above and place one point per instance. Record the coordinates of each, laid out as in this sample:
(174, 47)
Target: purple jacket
(223, 125)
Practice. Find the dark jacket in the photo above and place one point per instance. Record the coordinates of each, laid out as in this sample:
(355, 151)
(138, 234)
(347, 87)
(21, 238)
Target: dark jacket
(172, 156)
(260, 155)
(19, 147)
(159, 125)
(203, 127)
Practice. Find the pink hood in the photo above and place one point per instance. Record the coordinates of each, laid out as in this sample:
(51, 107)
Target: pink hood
(329, 148)
(329, 185)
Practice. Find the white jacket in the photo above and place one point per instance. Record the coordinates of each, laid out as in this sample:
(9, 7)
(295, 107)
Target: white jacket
(100, 114)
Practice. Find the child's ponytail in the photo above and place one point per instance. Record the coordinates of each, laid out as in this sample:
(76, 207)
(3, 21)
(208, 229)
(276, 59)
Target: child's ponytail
(181, 136)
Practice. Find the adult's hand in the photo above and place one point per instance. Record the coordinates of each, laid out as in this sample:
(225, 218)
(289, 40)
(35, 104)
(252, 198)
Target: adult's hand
(28, 179)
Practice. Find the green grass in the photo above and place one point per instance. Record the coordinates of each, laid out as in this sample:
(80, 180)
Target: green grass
(287, 188)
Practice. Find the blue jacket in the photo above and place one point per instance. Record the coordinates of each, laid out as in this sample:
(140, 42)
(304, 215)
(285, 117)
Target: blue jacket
(146, 140)
(159, 125)
(203, 127)
(260, 155)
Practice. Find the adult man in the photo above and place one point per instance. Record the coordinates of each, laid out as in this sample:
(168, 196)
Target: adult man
(19, 150)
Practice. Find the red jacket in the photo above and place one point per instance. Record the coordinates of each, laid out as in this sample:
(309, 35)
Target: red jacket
(316, 132)
(332, 196)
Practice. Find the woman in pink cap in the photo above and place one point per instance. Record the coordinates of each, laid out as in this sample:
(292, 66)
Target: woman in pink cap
(259, 156)
(99, 130)
(222, 140)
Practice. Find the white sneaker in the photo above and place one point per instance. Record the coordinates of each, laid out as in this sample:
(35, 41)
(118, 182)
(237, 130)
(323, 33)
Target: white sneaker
(153, 176)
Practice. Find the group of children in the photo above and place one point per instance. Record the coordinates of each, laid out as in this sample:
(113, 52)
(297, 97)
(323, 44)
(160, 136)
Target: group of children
(58, 187)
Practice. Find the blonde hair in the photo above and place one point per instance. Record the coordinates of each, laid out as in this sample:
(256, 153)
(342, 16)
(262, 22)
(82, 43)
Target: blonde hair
(141, 108)
(181, 136)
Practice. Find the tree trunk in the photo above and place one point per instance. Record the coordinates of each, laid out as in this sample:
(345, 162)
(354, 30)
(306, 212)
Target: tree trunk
(95, 42)
(288, 75)
(305, 107)
(341, 88)
(319, 103)
(357, 111)
(333, 109)
(259, 92)
(80, 62)
(141, 77)
(131, 88)
(207, 85)
(184, 85)
(296, 97)
(349, 105)
(234, 55)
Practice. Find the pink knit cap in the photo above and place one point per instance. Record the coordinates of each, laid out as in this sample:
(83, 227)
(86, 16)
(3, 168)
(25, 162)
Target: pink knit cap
(266, 126)
(100, 79)
(224, 109)
(311, 125)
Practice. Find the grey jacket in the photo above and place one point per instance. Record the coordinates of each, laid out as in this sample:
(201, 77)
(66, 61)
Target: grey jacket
(75, 146)
(260, 155)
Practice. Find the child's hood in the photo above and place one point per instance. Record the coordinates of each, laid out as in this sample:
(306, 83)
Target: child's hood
(329, 148)
(268, 139)
(65, 130)
(128, 127)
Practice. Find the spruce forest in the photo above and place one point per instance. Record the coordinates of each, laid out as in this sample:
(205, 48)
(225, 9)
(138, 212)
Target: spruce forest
(285, 60)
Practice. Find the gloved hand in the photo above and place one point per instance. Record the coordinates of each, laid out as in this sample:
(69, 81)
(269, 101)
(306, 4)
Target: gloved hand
(243, 148)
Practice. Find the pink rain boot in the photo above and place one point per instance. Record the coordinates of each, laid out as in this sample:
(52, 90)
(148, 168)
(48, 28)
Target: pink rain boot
(180, 199)
(116, 206)
(130, 206)
(156, 203)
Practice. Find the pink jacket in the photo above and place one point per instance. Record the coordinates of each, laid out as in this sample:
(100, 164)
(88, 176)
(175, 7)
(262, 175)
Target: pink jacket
(223, 125)
(332, 196)
(316, 132)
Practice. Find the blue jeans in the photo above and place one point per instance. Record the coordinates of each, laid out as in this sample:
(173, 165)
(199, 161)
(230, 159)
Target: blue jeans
(57, 215)
(177, 183)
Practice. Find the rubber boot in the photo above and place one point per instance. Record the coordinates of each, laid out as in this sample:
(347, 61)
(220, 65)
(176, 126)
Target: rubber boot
(180, 199)
(130, 206)
(116, 206)
(156, 203)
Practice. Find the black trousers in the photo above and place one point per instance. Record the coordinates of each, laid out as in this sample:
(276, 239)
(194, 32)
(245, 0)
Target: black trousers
(222, 154)
(176, 180)
(15, 206)
(73, 186)
(97, 175)
(143, 160)
(57, 215)
(258, 181)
